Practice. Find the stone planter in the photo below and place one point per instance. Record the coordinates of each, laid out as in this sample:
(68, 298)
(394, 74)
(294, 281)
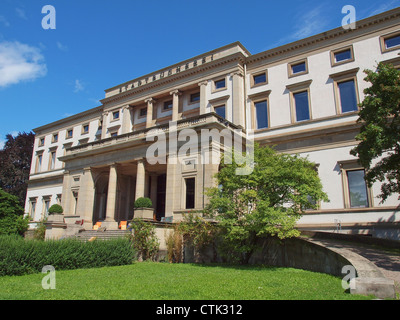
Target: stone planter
(144, 213)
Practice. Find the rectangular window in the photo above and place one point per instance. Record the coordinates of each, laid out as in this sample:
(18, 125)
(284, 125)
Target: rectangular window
(46, 207)
(115, 115)
(297, 68)
(39, 163)
(302, 107)
(260, 78)
(41, 142)
(261, 114)
(358, 194)
(142, 112)
(32, 208)
(52, 160)
(195, 97)
(55, 138)
(190, 193)
(70, 133)
(392, 42)
(220, 84)
(85, 129)
(342, 55)
(220, 110)
(168, 105)
(114, 134)
(348, 96)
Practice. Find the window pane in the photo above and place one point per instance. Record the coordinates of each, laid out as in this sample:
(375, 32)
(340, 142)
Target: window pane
(302, 107)
(220, 84)
(260, 78)
(343, 55)
(195, 97)
(261, 114)
(392, 42)
(357, 189)
(300, 67)
(190, 189)
(220, 111)
(168, 105)
(348, 99)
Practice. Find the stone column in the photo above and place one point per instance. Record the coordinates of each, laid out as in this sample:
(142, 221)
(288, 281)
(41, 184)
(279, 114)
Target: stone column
(203, 96)
(66, 194)
(104, 125)
(140, 180)
(150, 105)
(175, 104)
(126, 119)
(237, 99)
(86, 198)
(110, 222)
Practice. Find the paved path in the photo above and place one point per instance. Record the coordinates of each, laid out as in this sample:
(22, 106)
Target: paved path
(388, 261)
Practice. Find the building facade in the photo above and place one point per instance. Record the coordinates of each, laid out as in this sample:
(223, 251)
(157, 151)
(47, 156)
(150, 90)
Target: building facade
(302, 97)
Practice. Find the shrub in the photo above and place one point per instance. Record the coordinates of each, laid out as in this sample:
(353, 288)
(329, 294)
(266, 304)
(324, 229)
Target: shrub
(19, 256)
(56, 208)
(143, 203)
(174, 242)
(12, 219)
(144, 239)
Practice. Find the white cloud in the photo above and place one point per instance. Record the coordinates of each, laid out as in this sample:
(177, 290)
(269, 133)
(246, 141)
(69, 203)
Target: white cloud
(4, 21)
(78, 86)
(21, 13)
(61, 47)
(20, 62)
(310, 23)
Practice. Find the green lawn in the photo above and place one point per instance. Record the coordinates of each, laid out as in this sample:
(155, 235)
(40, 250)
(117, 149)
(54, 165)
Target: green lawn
(163, 281)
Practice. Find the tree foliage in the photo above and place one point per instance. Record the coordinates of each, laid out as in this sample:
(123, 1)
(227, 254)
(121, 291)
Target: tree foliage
(379, 136)
(266, 202)
(15, 163)
(12, 219)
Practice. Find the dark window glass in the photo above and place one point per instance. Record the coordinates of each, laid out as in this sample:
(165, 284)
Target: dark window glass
(392, 42)
(220, 111)
(302, 106)
(300, 67)
(348, 99)
(260, 78)
(220, 84)
(168, 105)
(194, 97)
(261, 114)
(143, 112)
(357, 189)
(343, 55)
(115, 115)
(190, 193)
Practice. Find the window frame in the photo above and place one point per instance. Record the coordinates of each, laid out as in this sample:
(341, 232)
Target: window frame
(298, 88)
(67, 133)
(385, 37)
(185, 197)
(220, 107)
(295, 63)
(83, 131)
(55, 137)
(256, 98)
(52, 164)
(333, 53)
(345, 167)
(113, 113)
(215, 89)
(341, 77)
(256, 74)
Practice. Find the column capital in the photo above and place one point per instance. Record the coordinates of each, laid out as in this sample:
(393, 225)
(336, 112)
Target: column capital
(237, 73)
(149, 100)
(203, 83)
(175, 92)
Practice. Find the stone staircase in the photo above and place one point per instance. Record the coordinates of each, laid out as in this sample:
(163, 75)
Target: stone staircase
(85, 235)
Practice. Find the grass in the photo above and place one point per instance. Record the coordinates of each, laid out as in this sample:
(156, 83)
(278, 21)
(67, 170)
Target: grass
(164, 281)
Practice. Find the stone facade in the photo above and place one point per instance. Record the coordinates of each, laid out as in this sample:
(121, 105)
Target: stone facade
(300, 97)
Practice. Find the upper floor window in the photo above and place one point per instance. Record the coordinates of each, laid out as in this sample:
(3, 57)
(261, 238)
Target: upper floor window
(41, 142)
(55, 138)
(220, 84)
(261, 114)
(167, 105)
(259, 79)
(143, 112)
(220, 110)
(302, 106)
(297, 68)
(115, 115)
(85, 128)
(195, 97)
(348, 96)
(390, 42)
(341, 56)
(70, 133)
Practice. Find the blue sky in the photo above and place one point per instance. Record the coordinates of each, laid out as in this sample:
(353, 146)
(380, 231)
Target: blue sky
(46, 75)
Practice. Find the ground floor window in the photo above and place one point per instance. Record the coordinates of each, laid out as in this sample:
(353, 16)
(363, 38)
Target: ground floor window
(358, 194)
(190, 192)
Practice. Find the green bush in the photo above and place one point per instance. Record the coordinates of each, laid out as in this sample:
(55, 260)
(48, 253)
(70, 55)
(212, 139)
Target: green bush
(12, 219)
(144, 239)
(19, 256)
(56, 208)
(143, 203)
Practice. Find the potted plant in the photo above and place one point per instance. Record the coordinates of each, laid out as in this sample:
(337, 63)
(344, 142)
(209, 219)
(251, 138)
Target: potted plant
(143, 208)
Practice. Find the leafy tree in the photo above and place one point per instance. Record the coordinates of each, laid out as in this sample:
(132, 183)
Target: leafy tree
(12, 219)
(268, 201)
(15, 163)
(379, 135)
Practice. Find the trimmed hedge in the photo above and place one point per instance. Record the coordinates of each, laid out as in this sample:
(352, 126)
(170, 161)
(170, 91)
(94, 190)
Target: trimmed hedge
(19, 256)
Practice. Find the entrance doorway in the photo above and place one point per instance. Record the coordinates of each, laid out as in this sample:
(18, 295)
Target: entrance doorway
(161, 192)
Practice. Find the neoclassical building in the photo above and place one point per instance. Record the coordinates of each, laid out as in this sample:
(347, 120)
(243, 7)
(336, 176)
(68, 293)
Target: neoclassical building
(301, 97)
